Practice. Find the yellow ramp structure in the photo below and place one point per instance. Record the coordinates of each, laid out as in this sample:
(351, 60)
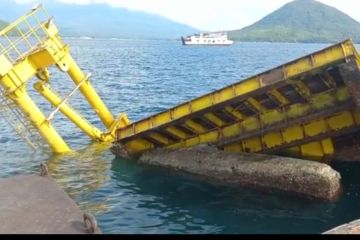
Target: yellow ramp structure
(295, 109)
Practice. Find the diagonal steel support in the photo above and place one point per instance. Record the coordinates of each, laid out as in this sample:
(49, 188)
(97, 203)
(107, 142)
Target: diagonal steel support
(66, 99)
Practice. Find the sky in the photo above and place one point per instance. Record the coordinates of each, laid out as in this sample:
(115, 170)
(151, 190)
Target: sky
(213, 15)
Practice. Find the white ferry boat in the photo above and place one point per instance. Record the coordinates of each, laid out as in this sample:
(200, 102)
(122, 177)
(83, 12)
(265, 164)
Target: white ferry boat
(85, 38)
(213, 38)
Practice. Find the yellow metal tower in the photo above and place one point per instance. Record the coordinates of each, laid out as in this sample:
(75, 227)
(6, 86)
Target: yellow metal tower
(28, 47)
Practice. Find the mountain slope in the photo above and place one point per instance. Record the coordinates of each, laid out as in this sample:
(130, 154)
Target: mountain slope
(301, 21)
(2, 24)
(106, 21)
(103, 21)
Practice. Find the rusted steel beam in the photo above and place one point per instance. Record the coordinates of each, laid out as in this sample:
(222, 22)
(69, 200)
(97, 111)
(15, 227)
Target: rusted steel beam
(351, 76)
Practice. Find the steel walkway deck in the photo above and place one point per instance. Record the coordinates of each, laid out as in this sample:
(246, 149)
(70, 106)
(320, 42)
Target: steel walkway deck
(295, 109)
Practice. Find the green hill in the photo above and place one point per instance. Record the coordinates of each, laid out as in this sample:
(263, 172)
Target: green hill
(301, 21)
(2, 24)
(101, 20)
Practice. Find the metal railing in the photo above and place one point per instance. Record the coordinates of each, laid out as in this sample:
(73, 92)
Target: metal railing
(17, 40)
(25, 34)
(18, 121)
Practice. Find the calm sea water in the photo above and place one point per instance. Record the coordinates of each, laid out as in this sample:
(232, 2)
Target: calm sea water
(143, 78)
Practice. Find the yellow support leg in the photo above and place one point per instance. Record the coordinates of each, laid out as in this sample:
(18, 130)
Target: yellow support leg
(92, 132)
(89, 92)
(26, 104)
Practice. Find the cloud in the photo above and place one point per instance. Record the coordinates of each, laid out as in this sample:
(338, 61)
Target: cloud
(203, 14)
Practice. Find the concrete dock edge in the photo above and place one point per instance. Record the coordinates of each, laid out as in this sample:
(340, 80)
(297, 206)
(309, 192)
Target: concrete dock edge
(348, 228)
(35, 204)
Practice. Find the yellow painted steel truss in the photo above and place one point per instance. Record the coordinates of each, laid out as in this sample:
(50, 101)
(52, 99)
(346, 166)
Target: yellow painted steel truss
(28, 47)
(295, 109)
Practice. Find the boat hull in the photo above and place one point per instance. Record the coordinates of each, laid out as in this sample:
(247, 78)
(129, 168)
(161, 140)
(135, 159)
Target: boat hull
(207, 39)
(187, 43)
(203, 44)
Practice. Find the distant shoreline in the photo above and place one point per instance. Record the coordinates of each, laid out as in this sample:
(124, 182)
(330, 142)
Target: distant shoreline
(171, 39)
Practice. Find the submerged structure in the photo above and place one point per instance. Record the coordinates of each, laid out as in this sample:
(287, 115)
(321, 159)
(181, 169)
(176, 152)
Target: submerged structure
(28, 47)
(307, 108)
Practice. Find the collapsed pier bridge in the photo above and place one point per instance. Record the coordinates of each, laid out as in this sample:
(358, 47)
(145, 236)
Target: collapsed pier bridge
(298, 109)
(306, 108)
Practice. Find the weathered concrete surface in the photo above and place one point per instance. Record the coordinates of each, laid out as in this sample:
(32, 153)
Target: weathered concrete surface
(300, 177)
(37, 205)
(348, 228)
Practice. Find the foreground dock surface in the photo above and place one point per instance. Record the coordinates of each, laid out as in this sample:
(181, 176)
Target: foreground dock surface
(37, 205)
(348, 228)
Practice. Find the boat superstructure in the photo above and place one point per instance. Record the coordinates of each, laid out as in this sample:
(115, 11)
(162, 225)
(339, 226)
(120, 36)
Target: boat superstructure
(212, 38)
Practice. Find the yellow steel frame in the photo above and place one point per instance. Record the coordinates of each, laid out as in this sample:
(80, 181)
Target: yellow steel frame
(335, 53)
(29, 46)
(267, 130)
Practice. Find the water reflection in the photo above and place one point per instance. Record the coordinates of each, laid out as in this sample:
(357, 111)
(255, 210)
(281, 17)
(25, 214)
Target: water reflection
(82, 172)
(153, 200)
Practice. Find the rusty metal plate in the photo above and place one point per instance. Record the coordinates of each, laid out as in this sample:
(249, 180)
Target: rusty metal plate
(351, 76)
(272, 76)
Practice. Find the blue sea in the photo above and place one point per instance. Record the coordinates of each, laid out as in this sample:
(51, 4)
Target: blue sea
(143, 77)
